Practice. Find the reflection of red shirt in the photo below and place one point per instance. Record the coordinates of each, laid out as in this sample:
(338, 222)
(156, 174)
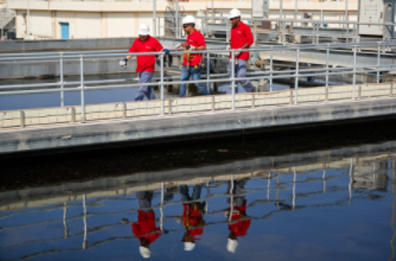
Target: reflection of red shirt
(193, 220)
(241, 35)
(194, 39)
(145, 62)
(145, 226)
(239, 224)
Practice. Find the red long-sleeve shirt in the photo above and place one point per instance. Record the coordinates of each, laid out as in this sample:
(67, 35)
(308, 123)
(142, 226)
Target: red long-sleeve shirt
(240, 223)
(145, 226)
(195, 39)
(241, 35)
(145, 62)
(193, 220)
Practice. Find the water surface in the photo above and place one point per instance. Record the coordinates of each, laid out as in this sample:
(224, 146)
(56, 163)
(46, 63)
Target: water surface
(312, 194)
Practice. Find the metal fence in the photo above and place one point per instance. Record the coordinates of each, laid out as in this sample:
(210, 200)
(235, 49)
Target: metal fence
(320, 61)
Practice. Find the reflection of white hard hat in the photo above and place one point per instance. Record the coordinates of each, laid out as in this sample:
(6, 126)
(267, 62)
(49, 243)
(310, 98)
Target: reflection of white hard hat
(188, 246)
(234, 13)
(232, 245)
(189, 19)
(144, 251)
(144, 29)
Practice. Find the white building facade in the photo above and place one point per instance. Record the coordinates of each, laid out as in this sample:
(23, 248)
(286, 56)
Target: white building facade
(71, 19)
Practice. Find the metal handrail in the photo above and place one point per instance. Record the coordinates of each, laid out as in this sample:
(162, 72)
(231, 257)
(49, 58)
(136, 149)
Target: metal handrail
(84, 85)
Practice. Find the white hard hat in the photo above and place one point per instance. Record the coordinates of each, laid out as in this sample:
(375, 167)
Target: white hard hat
(145, 252)
(189, 19)
(188, 246)
(232, 245)
(234, 13)
(144, 29)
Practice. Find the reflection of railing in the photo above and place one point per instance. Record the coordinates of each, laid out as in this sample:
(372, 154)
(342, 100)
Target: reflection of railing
(358, 66)
(277, 190)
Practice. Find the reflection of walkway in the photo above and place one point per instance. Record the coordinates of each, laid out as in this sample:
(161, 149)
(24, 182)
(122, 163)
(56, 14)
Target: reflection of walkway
(318, 189)
(192, 216)
(238, 221)
(304, 162)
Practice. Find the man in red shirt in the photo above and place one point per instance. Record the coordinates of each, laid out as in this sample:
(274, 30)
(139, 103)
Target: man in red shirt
(145, 229)
(238, 221)
(191, 61)
(145, 63)
(192, 216)
(241, 38)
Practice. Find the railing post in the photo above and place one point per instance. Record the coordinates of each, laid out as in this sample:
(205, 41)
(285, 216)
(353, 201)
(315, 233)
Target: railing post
(350, 180)
(231, 198)
(271, 67)
(208, 71)
(354, 73)
(65, 230)
(162, 85)
(61, 79)
(327, 73)
(162, 207)
(324, 180)
(228, 25)
(268, 186)
(294, 188)
(22, 119)
(82, 88)
(233, 78)
(378, 61)
(84, 243)
(296, 75)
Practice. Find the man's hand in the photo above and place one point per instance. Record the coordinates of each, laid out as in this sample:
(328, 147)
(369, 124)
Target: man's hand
(166, 51)
(124, 62)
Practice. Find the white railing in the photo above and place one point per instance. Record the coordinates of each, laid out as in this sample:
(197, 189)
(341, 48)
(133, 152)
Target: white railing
(381, 61)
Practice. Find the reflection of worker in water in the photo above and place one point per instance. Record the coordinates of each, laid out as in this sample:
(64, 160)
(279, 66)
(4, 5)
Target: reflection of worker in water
(192, 216)
(238, 221)
(145, 228)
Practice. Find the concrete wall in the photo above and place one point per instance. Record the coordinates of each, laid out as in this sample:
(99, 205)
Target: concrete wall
(139, 129)
(120, 25)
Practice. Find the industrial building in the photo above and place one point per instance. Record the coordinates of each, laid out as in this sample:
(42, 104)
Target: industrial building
(70, 19)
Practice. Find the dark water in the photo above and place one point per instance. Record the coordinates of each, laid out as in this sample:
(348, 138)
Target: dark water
(324, 193)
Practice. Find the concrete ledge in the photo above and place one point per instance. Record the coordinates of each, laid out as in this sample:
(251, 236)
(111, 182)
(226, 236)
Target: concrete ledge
(192, 105)
(52, 137)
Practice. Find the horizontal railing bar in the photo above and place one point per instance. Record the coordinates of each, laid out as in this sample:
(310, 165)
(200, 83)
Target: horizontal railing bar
(106, 53)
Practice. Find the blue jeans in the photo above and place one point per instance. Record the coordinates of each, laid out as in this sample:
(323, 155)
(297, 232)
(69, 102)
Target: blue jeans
(144, 198)
(237, 192)
(195, 72)
(196, 194)
(145, 91)
(240, 72)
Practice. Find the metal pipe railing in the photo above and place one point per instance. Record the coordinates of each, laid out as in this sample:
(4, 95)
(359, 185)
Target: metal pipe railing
(272, 74)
